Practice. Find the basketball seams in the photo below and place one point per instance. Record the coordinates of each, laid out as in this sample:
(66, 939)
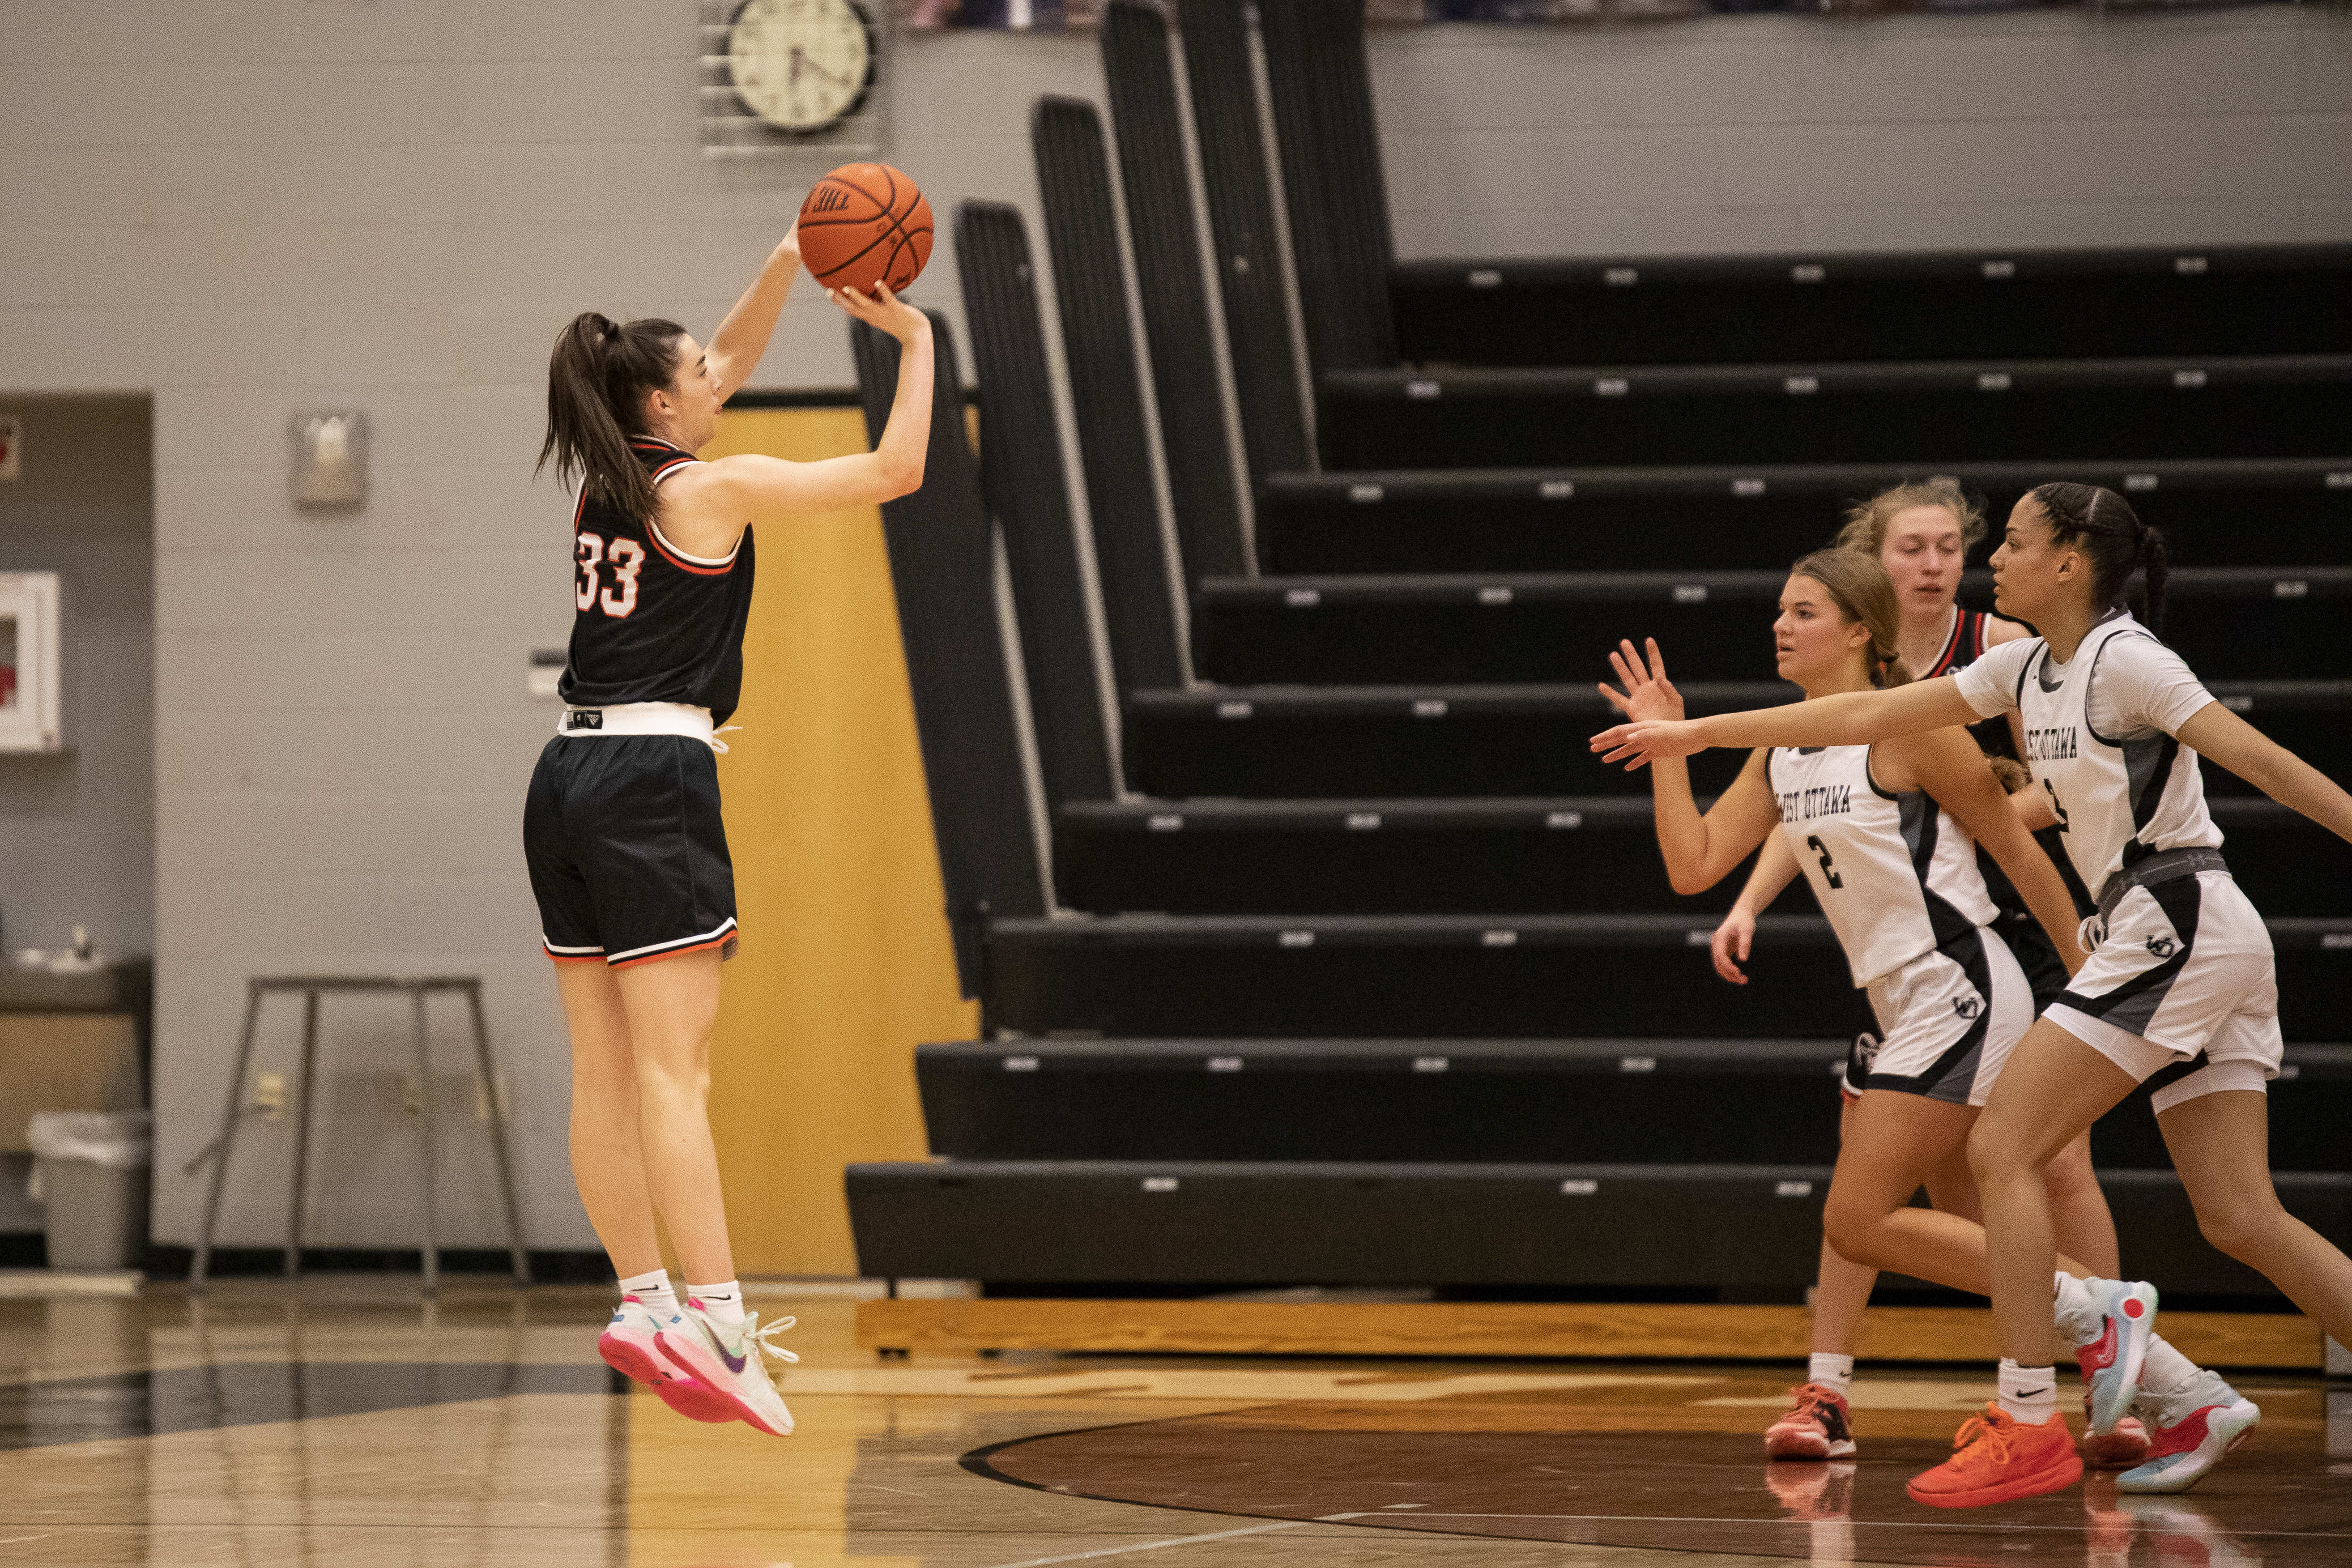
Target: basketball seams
(892, 223)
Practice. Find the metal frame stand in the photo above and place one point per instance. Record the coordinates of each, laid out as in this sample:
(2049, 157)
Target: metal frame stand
(310, 988)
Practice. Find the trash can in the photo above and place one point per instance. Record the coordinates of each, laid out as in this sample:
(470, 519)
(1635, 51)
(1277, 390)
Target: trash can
(91, 1167)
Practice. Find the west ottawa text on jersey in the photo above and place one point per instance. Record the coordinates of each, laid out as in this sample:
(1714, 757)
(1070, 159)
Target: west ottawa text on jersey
(1822, 800)
(2047, 745)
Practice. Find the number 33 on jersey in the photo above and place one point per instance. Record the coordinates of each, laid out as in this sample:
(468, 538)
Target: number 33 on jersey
(652, 623)
(627, 558)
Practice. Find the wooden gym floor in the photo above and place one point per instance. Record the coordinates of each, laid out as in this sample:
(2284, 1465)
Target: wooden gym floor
(344, 1422)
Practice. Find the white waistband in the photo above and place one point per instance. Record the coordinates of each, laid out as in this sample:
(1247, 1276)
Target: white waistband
(641, 719)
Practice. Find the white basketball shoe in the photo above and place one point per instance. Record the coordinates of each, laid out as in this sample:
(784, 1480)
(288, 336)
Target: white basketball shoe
(729, 1359)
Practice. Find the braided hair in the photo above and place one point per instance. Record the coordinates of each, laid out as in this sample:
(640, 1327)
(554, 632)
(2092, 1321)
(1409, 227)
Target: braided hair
(2127, 558)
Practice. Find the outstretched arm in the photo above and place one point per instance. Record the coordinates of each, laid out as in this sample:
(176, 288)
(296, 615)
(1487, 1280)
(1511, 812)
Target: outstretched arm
(734, 350)
(2214, 731)
(1849, 718)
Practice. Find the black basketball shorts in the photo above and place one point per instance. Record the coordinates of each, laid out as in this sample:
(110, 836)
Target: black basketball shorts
(627, 854)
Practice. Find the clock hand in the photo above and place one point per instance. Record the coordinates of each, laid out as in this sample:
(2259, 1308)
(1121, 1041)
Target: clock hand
(818, 69)
(798, 60)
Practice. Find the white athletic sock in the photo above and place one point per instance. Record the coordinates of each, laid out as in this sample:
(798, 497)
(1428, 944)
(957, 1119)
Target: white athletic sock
(1834, 1373)
(2077, 1314)
(2029, 1394)
(2165, 1370)
(652, 1290)
(722, 1304)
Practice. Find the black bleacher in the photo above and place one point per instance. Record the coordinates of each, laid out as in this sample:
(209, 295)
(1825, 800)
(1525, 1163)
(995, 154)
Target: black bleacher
(1358, 967)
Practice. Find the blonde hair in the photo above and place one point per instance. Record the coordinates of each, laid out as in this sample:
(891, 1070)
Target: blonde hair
(1864, 592)
(1865, 521)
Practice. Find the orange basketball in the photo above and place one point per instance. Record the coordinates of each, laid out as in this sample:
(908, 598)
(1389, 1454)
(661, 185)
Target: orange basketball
(865, 224)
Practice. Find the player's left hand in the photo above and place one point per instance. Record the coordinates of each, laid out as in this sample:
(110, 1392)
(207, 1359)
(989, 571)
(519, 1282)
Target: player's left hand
(1648, 693)
(1647, 741)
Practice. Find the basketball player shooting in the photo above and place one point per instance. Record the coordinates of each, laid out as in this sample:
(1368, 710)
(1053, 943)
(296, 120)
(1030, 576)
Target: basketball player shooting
(627, 854)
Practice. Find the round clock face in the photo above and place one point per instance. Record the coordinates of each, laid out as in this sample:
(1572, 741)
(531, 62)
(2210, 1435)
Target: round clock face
(801, 64)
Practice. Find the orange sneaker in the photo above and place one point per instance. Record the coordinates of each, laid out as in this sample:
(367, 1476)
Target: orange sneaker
(1818, 1426)
(1997, 1459)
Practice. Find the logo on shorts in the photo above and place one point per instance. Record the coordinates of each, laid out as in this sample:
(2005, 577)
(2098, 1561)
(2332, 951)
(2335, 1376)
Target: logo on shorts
(584, 719)
(1967, 1006)
(2162, 946)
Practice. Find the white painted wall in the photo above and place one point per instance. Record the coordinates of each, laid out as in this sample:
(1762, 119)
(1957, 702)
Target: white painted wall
(259, 207)
(1779, 132)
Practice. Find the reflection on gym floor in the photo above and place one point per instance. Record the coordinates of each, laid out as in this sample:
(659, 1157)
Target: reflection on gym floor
(345, 1421)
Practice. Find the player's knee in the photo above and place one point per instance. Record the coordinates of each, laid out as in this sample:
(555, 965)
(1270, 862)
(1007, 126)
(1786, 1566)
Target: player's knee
(2070, 1175)
(669, 1079)
(1850, 1226)
(2242, 1226)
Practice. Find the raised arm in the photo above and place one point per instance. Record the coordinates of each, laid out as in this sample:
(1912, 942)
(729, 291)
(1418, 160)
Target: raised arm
(1948, 765)
(1700, 851)
(2214, 731)
(734, 350)
(1849, 718)
(750, 485)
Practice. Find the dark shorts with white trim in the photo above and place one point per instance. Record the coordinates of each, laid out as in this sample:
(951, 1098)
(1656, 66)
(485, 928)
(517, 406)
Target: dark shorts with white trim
(627, 854)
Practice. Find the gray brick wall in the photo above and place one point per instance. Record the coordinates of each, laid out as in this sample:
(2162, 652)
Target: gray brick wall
(255, 206)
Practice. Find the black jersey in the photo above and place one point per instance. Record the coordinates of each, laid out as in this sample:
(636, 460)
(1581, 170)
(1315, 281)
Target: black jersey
(652, 624)
(1964, 647)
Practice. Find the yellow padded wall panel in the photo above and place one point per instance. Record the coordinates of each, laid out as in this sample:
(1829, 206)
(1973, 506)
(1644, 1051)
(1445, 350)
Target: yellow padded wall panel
(845, 965)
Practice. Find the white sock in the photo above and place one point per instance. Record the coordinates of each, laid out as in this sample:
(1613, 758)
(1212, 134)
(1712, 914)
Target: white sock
(1834, 1373)
(2029, 1393)
(2165, 1369)
(653, 1293)
(2077, 1314)
(722, 1304)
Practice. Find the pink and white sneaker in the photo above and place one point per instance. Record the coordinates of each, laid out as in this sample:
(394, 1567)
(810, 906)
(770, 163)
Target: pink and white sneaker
(2110, 1363)
(2196, 1424)
(2119, 1450)
(629, 1347)
(729, 1360)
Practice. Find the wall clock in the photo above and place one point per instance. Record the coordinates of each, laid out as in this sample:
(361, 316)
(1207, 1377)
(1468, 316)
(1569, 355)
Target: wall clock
(801, 65)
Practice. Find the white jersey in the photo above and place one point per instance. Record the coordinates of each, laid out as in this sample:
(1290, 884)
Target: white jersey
(1895, 874)
(2098, 736)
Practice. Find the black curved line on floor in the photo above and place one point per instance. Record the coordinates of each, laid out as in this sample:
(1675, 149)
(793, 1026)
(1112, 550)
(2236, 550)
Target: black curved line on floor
(155, 1404)
(976, 1463)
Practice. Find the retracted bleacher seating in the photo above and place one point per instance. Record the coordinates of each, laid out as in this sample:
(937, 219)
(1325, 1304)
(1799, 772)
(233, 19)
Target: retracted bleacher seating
(1359, 969)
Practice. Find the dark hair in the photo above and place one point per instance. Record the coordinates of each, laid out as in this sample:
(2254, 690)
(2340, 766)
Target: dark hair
(596, 386)
(1864, 592)
(2127, 560)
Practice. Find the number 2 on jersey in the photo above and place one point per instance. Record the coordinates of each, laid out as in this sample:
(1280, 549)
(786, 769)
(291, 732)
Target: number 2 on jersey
(1813, 843)
(626, 557)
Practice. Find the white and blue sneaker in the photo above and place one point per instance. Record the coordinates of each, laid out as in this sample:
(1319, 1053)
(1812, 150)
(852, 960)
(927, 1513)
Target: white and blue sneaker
(2112, 1346)
(729, 1359)
(2194, 1426)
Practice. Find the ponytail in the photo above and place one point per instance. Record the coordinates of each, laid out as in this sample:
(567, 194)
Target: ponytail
(596, 384)
(1864, 592)
(2128, 565)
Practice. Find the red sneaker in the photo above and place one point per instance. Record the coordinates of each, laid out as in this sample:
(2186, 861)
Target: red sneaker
(1996, 1458)
(1819, 1425)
